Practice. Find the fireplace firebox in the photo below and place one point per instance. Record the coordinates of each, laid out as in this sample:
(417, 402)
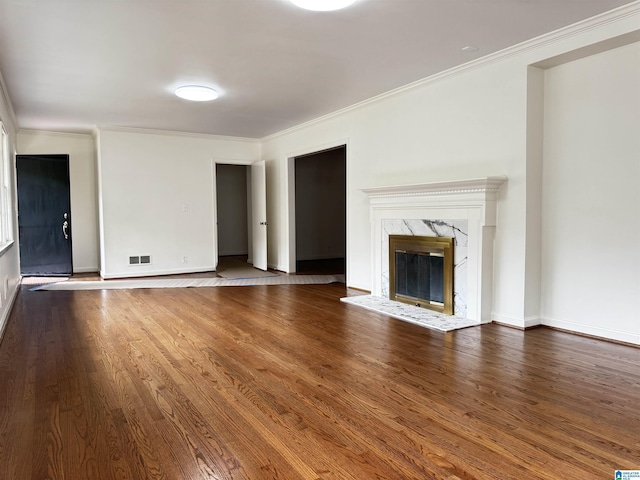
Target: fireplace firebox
(421, 271)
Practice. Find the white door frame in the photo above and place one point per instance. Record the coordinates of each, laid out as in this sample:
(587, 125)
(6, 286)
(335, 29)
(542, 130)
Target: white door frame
(214, 200)
(290, 267)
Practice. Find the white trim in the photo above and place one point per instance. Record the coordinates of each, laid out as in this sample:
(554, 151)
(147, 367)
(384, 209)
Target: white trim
(234, 161)
(8, 204)
(321, 147)
(290, 219)
(578, 28)
(589, 50)
(532, 322)
(4, 93)
(243, 162)
(290, 198)
(214, 210)
(28, 131)
(8, 308)
(153, 273)
(508, 320)
(484, 184)
(6, 246)
(150, 131)
(605, 333)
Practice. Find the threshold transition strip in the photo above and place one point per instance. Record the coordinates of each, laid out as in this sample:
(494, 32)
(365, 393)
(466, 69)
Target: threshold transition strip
(194, 282)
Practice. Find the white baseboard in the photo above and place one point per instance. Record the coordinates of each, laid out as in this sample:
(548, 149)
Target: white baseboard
(532, 322)
(508, 320)
(7, 311)
(153, 273)
(596, 331)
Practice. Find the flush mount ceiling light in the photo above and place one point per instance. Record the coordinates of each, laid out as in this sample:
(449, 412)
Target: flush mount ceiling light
(322, 5)
(196, 93)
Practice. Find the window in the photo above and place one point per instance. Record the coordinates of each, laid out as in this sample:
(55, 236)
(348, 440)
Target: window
(6, 219)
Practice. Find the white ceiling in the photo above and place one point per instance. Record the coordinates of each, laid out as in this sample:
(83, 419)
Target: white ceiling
(70, 65)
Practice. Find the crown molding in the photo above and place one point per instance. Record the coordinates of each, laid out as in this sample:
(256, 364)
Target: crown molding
(30, 131)
(615, 15)
(150, 131)
(4, 93)
(589, 50)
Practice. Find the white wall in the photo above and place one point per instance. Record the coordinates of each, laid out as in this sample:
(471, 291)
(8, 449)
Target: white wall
(157, 195)
(231, 181)
(482, 119)
(469, 126)
(82, 175)
(470, 122)
(10, 256)
(591, 192)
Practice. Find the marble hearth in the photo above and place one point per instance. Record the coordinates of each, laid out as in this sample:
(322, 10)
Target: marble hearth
(464, 210)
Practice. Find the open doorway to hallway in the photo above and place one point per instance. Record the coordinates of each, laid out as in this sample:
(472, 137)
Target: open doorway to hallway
(233, 211)
(320, 211)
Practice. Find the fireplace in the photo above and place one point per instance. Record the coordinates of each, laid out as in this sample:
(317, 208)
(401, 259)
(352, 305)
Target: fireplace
(421, 271)
(454, 230)
(462, 209)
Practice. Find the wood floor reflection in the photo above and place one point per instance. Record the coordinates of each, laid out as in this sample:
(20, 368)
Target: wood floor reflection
(287, 382)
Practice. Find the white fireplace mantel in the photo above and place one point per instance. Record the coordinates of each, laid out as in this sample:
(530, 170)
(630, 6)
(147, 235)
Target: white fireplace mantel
(455, 187)
(472, 200)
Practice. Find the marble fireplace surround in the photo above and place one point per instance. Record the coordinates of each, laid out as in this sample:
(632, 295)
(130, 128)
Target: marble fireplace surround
(464, 209)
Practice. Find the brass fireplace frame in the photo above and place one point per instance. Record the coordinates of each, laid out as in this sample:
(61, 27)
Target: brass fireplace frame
(441, 246)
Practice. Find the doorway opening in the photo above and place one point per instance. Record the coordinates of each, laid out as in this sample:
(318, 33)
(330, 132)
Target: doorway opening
(320, 211)
(233, 212)
(233, 205)
(240, 208)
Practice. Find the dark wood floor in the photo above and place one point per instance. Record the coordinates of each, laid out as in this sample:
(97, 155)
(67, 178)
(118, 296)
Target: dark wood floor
(286, 382)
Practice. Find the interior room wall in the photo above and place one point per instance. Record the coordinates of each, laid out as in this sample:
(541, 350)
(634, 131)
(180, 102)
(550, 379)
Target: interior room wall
(591, 199)
(82, 175)
(231, 181)
(9, 256)
(466, 123)
(467, 126)
(157, 193)
(156, 189)
(320, 205)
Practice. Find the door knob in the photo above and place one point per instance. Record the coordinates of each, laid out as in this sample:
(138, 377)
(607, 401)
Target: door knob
(65, 225)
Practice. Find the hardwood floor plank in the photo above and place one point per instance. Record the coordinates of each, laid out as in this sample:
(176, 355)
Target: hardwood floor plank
(246, 393)
(286, 382)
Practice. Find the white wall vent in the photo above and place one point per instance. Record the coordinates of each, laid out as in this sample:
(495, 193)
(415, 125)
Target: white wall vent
(145, 259)
(134, 260)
